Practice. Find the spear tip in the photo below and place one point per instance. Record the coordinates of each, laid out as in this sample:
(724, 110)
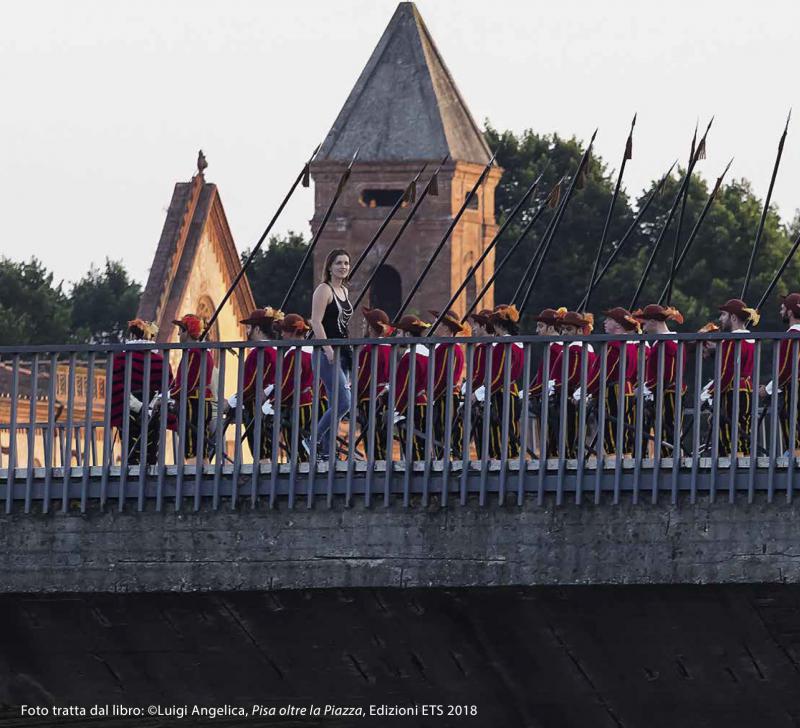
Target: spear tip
(355, 156)
(633, 123)
(788, 119)
(593, 136)
(709, 125)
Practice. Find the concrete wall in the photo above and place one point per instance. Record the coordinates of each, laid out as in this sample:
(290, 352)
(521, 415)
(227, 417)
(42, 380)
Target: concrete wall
(358, 547)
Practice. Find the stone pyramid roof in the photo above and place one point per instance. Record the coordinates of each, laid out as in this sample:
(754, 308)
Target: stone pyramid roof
(405, 105)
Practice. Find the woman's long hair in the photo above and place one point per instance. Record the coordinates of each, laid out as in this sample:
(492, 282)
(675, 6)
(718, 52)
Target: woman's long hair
(333, 255)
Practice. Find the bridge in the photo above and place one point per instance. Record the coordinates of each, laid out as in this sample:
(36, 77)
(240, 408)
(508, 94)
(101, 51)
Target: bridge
(79, 515)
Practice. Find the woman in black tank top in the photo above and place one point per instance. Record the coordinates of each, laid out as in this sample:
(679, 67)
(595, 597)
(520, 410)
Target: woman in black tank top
(331, 311)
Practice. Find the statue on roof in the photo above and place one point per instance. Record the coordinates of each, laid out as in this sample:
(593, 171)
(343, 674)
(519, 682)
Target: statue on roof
(201, 162)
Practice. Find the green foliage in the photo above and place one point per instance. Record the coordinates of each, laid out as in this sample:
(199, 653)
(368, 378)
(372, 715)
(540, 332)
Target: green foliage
(32, 309)
(713, 271)
(103, 301)
(566, 269)
(273, 269)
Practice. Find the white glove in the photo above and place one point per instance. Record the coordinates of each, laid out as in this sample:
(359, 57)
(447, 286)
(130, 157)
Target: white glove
(647, 392)
(267, 409)
(521, 394)
(705, 395)
(576, 395)
(463, 388)
(551, 387)
(134, 404)
(232, 401)
(397, 417)
(268, 390)
(769, 388)
(480, 393)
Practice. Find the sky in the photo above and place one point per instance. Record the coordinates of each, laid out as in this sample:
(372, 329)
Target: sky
(106, 103)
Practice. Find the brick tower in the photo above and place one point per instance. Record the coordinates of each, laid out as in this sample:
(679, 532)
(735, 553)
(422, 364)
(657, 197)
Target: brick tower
(404, 111)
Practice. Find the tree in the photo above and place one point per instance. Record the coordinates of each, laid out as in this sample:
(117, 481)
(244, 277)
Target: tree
(103, 301)
(273, 269)
(566, 270)
(715, 267)
(713, 271)
(32, 309)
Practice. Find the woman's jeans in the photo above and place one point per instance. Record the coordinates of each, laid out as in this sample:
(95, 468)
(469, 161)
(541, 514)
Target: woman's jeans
(331, 376)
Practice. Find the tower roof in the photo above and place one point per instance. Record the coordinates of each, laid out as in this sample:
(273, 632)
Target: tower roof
(405, 104)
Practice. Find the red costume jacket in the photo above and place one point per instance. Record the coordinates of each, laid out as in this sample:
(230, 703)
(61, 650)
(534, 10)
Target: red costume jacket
(383, 353)
(157, 364)
(251, 370)
(193, 358)
(539, 380)
(403, 379)
(500, 351)
(574, 354)
(288, 377)
(612, 368)
(728, 354)
(670, 365)
(440, 357)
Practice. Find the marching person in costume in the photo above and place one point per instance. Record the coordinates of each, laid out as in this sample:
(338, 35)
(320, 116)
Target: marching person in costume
(788, 352)
(259, 327)
(571, 323)
(481, 327)
(139, 332)
(191, 329)
(735, 317)
(294, 327)
(408, 404)
(654, 320)
(451, 326)
(377, 324)
(618, 322)
(505, 321)
(547, 325)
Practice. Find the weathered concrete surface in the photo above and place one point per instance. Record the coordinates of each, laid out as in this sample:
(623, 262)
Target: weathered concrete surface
(541, 657)
(379, 547)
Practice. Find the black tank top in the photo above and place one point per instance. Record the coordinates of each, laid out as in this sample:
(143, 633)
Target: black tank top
(334, 321)
(337, 316)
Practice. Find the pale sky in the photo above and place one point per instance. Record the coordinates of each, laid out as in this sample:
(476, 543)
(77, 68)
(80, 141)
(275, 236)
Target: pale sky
(105, 103)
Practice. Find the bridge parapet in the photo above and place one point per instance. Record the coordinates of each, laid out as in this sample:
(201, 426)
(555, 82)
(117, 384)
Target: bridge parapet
(512, 485)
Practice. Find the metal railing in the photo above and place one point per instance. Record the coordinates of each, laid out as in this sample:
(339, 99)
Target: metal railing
(515, 417)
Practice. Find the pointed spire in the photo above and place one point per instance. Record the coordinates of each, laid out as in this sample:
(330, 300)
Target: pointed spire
(405, 104)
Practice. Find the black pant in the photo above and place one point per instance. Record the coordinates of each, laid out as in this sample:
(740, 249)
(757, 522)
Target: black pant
(134, 445)
(496, 417)
(786, 421)
(418, 432)
(669, 444)
(726, 422)
(611, 424)
(379, 440)
(303, 430)
(262, 451)
(191, 439)
(440, 425)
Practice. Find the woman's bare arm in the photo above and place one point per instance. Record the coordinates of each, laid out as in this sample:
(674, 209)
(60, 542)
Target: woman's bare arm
(319, 301)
